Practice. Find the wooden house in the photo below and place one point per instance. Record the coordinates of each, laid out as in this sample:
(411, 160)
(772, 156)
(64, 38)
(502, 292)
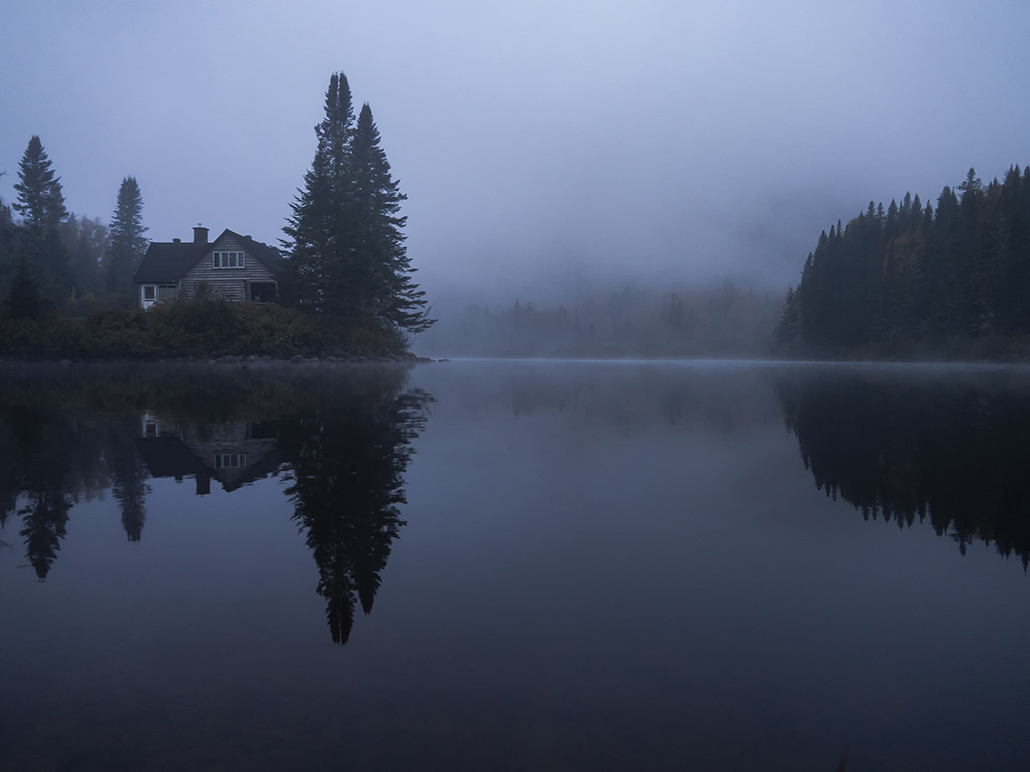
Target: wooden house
(235, 453)
(232, 267)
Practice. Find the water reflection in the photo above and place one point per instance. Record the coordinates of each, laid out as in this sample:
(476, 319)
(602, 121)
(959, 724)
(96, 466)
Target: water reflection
(346, 465)
(950, 448)
(342, 438)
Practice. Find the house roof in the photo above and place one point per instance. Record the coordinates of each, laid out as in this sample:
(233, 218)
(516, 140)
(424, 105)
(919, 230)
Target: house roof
(170, 457)
(168, 261)
(266, 255)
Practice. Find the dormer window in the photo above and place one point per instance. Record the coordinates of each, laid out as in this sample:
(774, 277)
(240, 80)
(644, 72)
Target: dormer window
(228, 259)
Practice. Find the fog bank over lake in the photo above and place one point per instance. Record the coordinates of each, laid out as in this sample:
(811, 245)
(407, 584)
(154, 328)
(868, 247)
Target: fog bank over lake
(514, 565)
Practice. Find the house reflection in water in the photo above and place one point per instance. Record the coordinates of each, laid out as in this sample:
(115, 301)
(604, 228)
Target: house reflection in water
(233, 454)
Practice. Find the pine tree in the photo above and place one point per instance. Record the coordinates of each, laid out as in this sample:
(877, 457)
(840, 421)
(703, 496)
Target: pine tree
(318, 274)
(345, 238)
(41, 205)
(381, 255)
(127, 242)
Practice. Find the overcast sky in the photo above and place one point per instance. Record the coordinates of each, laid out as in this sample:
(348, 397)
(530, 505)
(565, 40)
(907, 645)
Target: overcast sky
(540, 144)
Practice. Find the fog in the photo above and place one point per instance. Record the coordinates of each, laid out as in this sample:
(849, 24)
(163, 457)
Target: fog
(546, 147)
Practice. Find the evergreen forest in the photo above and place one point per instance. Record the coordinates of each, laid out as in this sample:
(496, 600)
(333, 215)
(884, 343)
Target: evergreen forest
(915, 281)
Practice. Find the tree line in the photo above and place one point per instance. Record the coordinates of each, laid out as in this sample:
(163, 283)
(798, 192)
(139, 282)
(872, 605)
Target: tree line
(913, 279)
(950, 453)
(630, 321)
(50, 258)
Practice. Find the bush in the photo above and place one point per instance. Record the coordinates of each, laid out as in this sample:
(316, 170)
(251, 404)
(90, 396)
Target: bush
(194, 328)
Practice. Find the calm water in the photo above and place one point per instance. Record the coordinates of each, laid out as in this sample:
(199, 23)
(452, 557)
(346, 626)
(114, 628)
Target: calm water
(515, 566)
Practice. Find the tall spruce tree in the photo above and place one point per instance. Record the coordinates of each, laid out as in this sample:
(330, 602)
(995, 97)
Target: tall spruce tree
(389, 290)
(345, 238)
(127, 242)
(318, 274)
(41, 206)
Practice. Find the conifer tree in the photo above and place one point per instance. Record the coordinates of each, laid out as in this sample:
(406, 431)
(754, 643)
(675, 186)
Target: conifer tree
(319, 272)
(345, 238)
(127, 242)
(41, 206)
(379, 239)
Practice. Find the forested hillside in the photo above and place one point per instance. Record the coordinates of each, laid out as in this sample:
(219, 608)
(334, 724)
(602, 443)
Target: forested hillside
(919, 281)
(724, 321)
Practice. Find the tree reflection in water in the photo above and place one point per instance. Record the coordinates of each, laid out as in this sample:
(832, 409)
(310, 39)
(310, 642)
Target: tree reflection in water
(342, 437)
(347, 464)
(950, 448)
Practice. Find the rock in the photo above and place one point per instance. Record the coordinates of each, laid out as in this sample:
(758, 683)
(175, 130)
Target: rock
(297, 359)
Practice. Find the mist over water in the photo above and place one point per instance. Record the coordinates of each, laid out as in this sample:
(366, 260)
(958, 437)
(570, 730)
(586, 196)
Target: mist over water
(514, 565)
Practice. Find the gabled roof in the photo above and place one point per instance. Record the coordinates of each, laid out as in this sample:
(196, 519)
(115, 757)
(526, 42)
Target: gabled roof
(268, 256)
(168, 261)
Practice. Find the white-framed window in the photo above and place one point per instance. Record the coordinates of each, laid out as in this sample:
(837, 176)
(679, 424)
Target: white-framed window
(150, 292)
(230, 460)
(228, 260)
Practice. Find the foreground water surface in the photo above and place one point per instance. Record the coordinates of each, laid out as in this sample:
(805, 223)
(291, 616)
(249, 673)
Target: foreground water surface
(514, 565)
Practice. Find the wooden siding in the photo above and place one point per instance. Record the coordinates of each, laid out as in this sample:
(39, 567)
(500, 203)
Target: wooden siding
(229, 283)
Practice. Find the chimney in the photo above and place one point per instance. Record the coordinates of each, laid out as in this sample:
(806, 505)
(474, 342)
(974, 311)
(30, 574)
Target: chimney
(200, 235)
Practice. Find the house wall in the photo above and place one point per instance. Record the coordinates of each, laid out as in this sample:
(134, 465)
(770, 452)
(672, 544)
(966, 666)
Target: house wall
(160, 293)
(229, 283)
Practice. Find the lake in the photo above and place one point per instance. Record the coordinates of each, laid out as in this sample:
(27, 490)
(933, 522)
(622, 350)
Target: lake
(517, 565)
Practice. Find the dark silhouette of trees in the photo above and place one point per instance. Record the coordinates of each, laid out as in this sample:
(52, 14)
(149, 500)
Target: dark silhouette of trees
(953, 452)
(128, 479)
(41, 206)
(909, 279)
(345, 238)
(343, 438)
(319, 272)
(347, 464)
(127, 243)
(44, 522)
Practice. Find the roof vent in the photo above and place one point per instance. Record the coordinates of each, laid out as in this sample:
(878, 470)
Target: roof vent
(176, 241)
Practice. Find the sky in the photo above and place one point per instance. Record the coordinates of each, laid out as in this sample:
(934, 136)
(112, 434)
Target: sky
(545, 147)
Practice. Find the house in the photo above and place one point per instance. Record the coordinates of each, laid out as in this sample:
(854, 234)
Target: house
(235, 454)
(233, 267)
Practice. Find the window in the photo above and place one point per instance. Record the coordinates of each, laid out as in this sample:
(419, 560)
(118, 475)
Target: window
(262, 291)
(230, 460)
(149, 292)
(228, 260)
